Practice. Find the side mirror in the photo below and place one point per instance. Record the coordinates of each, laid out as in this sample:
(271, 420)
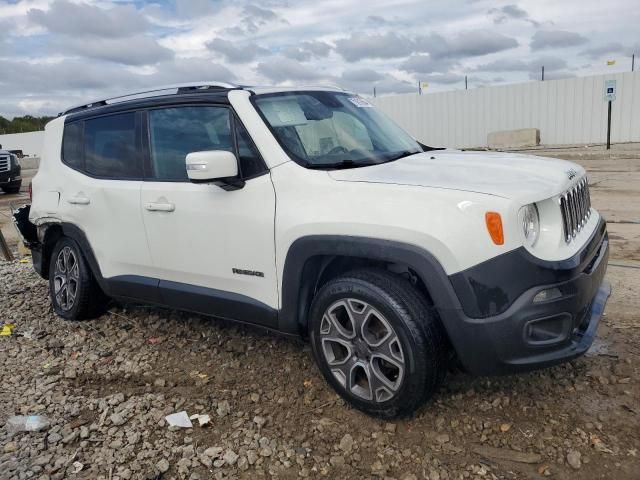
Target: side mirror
(214, 166)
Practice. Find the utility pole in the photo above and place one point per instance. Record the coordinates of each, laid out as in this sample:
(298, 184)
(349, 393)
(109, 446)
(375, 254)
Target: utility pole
(633, 61)
(543, 73)
(466, 85)
(609, 126)
(374, 92)
(419, 88)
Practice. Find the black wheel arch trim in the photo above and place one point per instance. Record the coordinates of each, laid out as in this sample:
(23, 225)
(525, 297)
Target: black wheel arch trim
(299, 283)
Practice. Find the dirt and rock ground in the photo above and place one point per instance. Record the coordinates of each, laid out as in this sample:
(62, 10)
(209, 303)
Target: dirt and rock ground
(106, 385)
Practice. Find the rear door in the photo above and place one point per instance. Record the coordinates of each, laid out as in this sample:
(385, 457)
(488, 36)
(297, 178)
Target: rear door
(213, 250)
(101, 195)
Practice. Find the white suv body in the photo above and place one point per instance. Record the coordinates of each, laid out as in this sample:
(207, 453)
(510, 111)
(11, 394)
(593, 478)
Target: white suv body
(250, 204)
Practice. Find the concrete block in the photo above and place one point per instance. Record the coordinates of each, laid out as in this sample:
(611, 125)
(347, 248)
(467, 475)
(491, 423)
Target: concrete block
(30, 163)
(525, 137)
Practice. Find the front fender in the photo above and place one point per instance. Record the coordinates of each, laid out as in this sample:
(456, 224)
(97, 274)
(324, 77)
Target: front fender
(298, 285)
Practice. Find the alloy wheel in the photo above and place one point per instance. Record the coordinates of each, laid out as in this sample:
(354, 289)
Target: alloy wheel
(66, 277)
(362, 350)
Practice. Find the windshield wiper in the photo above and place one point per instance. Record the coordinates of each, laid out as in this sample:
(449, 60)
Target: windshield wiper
(427, 148)
(399, 155)
(340, 164)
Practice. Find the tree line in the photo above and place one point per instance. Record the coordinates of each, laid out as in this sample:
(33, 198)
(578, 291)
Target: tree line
(27, 123)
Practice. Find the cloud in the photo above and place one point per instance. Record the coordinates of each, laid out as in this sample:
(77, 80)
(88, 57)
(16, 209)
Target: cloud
(510, 12)
(87, 20)
(472, 43)
(187, 70)
(194, 8)
(137, 50)
(364, 80)
(282, 69)
(615, 48)
(517, 65)
(235, 53)
(254, 17)
(307, 50)
(260, 13)
(443, 78)
(554, 67)
(377, 21)
(79, 80)
(388, 84)
(425, 64)
(361, 75)
(556, 39)
(363, 45)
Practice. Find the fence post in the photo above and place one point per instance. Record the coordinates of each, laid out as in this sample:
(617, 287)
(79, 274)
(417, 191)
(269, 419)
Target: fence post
(4, 248)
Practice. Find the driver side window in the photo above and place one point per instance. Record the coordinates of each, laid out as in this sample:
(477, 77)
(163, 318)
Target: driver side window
(175, 132)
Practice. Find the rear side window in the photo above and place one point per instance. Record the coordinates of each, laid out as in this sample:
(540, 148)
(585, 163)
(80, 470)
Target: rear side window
(72, 145)
(175, 132)
(110, 147)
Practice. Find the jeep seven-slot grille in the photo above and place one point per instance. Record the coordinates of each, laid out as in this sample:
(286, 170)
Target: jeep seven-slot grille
(4, 163)
(575, 205)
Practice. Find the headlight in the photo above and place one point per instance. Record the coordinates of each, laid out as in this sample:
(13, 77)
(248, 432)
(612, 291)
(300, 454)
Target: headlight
(530, 222)
(13, 161)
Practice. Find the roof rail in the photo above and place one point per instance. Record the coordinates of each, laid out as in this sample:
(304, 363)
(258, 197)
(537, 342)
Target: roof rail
(154, 92)
(323, 85)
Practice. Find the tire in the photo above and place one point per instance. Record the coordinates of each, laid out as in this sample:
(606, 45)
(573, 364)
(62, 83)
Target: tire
(397, 358)
(68, 268)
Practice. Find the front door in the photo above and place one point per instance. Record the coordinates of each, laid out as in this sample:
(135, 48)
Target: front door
(212, 250)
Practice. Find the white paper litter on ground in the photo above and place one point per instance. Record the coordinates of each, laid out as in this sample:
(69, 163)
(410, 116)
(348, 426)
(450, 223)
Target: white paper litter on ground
(180, 419)
(202, 419)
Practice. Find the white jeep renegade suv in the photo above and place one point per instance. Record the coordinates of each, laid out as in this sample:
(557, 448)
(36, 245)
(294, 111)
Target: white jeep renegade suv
(307, 211)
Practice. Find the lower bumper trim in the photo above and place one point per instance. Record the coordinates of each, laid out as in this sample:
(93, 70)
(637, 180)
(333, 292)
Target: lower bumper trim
(531, 335)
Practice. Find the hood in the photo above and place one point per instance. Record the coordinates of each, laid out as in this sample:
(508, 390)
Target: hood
(505, 175)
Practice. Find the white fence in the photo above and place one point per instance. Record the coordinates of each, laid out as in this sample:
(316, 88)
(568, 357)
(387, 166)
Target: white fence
(30, 143)
(571, 111)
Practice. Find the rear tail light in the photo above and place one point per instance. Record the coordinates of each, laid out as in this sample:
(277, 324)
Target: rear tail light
(30, 193)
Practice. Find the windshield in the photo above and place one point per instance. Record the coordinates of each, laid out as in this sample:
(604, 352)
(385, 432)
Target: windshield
(333, 130)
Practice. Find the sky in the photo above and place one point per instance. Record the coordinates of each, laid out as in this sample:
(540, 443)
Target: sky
(59, 53)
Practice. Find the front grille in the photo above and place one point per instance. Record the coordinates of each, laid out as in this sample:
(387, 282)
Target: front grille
(575, 205)
(4, 164)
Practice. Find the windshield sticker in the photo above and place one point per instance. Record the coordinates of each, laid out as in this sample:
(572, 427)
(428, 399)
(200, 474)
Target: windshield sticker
(360, 102)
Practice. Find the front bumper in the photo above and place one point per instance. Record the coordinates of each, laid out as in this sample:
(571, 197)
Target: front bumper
(10, 177)
(527, 335)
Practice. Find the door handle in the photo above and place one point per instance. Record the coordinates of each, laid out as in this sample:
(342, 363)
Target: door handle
(159, 207)
(79, 200)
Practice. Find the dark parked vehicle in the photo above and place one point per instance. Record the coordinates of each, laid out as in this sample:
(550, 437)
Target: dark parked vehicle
(10, 172)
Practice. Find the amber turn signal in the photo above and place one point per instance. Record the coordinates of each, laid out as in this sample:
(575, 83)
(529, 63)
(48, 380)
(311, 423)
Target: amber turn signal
(494, 226)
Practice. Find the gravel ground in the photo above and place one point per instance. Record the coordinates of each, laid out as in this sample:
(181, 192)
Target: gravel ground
(106, 385)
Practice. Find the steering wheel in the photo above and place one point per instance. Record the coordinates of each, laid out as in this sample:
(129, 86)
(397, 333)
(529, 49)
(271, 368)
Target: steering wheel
(338, 149)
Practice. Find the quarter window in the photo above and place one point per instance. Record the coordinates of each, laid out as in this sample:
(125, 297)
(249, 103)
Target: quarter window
(175, 132)
(72, 145)
(110, 147)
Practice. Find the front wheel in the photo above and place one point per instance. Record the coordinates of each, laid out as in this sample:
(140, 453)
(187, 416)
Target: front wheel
(377, 342)
(75, 294)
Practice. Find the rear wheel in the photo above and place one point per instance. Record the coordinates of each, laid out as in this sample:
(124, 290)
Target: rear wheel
(377, 342)
(75, 294)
